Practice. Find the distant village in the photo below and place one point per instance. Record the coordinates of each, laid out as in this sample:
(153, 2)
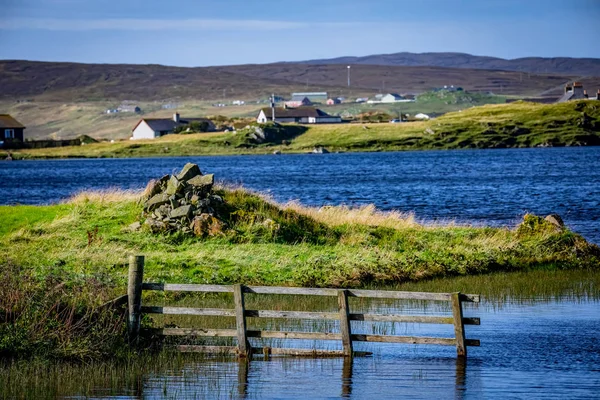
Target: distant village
(300, 108)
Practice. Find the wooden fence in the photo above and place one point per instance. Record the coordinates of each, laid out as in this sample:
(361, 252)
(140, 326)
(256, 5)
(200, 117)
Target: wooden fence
(344, 316)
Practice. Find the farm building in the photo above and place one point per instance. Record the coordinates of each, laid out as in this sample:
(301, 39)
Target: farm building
(298, 101)
(315, 97)
(11, 130)
(301, 115)
(150, 128)
(576, 92)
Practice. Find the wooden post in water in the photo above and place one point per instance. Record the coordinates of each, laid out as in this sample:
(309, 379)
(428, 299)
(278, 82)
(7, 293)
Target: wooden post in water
(240, 321)
(459, 328)
(134, 295)
(345, 322)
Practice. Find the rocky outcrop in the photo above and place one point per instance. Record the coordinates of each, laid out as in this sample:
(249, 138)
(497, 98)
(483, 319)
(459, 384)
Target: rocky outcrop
(183, 202)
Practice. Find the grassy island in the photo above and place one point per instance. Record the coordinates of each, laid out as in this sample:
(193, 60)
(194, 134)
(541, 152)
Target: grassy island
(61, 262)
(518, 124)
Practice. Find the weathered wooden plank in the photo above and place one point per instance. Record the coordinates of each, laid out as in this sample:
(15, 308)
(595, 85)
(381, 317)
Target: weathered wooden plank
(134, 295)
(389, 294)
(184, 348)
(382, 294)
(195, 332)
(240, 320)
(291, 314)
(290, 290)
(459, 329)
(403, 339)
(294, 335)
(345, 328)
(188, 311)
(358, 317)
(184, 287)
(402, 318)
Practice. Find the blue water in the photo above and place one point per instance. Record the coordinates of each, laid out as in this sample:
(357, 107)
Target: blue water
(490, 187)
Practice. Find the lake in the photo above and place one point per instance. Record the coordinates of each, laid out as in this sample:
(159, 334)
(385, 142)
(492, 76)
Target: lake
(533, 350)
(483, 187)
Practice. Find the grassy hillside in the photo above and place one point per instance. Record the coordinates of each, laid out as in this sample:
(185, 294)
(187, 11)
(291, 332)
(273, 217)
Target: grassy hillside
(518, 124)
(68, 259)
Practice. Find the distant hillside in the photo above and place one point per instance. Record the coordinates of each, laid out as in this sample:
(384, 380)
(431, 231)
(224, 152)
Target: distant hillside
(382, 78)
(88, 82)
(540, 65)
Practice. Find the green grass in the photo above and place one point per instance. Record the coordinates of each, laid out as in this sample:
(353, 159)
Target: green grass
(518, 124)
(58, 268)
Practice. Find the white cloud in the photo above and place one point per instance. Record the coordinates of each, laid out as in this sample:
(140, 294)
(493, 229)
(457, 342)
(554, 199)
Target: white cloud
(130, 24)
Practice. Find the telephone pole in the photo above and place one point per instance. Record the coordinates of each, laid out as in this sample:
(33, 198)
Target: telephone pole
(348, 76)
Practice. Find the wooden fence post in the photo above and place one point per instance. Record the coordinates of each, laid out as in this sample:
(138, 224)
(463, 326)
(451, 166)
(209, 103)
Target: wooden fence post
(134, 295)
(345, 322)
(240, 321)
(459, 328)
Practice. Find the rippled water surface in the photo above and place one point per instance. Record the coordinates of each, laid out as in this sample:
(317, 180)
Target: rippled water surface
(535, 351)
(494, 187)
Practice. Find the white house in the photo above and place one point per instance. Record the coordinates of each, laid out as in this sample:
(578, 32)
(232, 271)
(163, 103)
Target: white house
(150, 128)
(301, 115)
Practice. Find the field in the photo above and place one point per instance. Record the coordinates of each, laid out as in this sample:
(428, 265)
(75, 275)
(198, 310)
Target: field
(518, 124)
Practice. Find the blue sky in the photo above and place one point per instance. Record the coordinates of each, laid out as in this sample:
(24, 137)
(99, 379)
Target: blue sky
(200, 33)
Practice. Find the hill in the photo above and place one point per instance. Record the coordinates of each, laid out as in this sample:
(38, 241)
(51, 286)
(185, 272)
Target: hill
(554, 65)
(91, 82)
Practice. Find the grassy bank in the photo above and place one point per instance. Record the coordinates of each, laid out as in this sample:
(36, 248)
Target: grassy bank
(518, 124)
(66, 260)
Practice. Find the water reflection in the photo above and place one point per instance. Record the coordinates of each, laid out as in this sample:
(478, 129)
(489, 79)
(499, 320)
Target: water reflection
(347, 377)
(460, 386)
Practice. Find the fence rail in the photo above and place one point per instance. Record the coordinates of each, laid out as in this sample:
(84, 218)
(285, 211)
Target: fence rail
(344, 316)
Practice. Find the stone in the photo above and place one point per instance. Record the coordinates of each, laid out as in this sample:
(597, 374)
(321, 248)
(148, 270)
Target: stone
(174, 186)
(555, 220)
(154, 225)
(156, 201)
(135, 226)
(429, 131)
(206, 225)
(202, 181)
(154, 187)
(180, 212)
(188, 172)
(277, 152)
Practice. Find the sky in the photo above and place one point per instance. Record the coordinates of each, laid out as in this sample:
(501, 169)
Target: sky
(224, 32)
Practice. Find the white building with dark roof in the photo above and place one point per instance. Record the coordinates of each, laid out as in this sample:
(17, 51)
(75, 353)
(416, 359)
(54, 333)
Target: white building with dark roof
(150, 128)
(301, 115)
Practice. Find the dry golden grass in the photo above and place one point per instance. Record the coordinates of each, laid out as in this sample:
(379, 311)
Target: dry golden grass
(111, 195)
(364, 215)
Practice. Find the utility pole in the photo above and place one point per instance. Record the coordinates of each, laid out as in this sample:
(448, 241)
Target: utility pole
(348, 76)
(273, 107)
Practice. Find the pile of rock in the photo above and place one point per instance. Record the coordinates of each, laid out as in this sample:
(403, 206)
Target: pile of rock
(183, 202)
